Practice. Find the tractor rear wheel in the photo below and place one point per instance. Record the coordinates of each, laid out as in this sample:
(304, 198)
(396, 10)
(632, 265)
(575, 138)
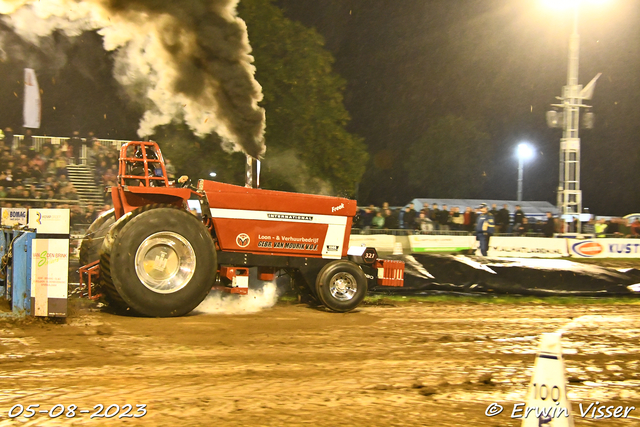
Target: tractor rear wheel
(159, 261)
(341, 285)
(93, 237)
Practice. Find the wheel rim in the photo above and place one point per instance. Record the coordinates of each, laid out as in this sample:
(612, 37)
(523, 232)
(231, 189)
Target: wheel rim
(343, 286)
(165, 262)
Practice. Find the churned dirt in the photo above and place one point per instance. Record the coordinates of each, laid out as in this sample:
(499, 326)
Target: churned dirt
(394, 364)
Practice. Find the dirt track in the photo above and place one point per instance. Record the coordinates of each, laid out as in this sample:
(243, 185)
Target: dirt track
(409, 364)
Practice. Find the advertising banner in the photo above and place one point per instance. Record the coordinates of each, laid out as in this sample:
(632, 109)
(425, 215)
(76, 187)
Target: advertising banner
(605, 248)
(527, 247)
(14, 216)
(436, 243)
(49, 221)
(49, 277)
(49, 262)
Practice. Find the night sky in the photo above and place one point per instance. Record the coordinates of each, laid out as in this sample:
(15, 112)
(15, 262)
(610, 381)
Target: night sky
(502, 62)
(408, 62)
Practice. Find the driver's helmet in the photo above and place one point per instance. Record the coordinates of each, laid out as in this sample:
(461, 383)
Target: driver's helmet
(151, 154)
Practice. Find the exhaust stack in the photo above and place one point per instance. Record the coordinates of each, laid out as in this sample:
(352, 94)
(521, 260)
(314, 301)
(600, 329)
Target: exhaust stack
(252, 175)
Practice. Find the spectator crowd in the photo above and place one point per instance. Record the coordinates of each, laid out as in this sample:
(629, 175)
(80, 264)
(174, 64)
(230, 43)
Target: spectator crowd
(40, 179)
(442, 219)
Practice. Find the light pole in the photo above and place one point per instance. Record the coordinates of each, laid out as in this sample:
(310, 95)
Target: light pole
(524, 152)
(569, 193)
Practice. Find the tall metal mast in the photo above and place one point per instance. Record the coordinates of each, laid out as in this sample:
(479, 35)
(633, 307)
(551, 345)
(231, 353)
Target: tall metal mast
(569, 193)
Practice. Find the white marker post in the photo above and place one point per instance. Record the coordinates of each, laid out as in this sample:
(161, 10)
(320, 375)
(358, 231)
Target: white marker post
(547, 402)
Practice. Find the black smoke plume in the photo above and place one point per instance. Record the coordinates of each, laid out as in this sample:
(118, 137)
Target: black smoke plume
(186, 59)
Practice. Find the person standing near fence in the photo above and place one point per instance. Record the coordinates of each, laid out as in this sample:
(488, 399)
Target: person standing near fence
(8, 138)
(485, 228)
(502, 219)
(494, 211)
(391, 221)
(521, 229)
(550, 226)
(27, 141)
(444, 218)
(377, 222)
(424, 223)
(76, 145)
(600, 228)
(457, 219)
(435, 216)
(469, 219)
(409, 218)
(518, 217)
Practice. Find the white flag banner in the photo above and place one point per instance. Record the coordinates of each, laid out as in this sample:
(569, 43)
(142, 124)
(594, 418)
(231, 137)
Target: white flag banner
(32, 107)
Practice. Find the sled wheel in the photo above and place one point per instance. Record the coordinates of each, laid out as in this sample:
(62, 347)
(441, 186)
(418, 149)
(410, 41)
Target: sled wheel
(159, 261)
(341, 285)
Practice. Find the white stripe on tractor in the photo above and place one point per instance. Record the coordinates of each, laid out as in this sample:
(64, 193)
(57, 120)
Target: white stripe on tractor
(264, 216)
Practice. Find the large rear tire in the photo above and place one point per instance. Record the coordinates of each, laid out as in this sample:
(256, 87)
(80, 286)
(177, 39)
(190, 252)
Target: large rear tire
(159, 261)
(92, 241)
(341, 286)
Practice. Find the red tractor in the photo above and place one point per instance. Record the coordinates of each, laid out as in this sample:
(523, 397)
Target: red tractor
(157, 259)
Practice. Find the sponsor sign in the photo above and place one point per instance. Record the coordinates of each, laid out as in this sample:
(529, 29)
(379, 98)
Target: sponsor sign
(527, 247)
(49, 221)
(14, 216)
(290, 217)
(437, 243)
(606, 248)
(49, 277)
(587, 249)
(288, 242)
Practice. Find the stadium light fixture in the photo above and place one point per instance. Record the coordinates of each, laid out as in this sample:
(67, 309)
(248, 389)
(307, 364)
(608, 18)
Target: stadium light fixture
(570, 4)
(524, 152)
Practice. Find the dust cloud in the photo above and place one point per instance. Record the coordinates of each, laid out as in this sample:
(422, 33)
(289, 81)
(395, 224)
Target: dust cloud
(223, 303)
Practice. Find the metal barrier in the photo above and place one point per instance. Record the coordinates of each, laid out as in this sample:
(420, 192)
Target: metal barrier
(39, 141)
(38, 203)
(405, 232)
(15, 249)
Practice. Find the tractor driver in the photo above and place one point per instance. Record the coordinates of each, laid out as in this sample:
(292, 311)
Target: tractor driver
(154, 169)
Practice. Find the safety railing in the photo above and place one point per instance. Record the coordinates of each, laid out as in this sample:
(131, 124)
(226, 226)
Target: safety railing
(36, 203)
(406, 232)
(37, 142)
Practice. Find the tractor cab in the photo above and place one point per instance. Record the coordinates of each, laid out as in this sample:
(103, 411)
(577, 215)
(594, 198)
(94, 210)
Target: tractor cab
(141, 164)
(142, 180)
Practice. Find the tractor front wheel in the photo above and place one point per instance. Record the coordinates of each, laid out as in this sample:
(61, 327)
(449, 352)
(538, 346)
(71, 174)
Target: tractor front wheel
(341, 285)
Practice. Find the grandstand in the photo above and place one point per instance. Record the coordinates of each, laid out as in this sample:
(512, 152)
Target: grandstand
(42, 171)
